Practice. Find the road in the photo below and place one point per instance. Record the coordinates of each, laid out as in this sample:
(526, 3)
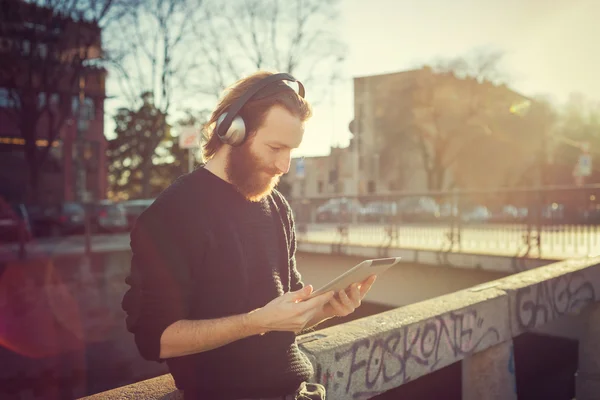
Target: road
(50, 247)
(557, 242)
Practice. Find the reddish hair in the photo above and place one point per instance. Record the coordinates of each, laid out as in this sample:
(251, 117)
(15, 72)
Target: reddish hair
(253, 112)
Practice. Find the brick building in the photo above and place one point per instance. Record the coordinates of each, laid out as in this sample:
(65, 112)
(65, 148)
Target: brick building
(46, 73)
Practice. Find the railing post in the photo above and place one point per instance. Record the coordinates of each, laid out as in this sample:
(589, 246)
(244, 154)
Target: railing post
(490, 374)
(587, 381)
(22, 236)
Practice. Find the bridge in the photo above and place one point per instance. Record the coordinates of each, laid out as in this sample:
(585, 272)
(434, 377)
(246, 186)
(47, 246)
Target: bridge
(464, 310)
(475, 329)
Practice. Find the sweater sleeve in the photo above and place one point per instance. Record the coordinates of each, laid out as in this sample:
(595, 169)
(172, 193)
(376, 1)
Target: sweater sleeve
(159, 283)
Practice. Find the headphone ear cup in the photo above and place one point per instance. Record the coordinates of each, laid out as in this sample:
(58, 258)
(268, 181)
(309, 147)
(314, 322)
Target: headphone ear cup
(236, 133)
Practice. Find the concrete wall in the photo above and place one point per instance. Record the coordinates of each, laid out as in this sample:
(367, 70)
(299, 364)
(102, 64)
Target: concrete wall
(375, 354)
(485, 262)
(372, 355)
(405, 283)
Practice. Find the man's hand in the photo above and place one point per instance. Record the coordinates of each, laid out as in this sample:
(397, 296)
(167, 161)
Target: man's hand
(289, 312)
(346, 301)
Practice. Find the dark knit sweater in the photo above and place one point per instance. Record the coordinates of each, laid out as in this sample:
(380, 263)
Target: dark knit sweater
(202, 251)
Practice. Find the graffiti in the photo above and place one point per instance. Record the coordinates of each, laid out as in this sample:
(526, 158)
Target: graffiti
(371, 363)
(538, 304)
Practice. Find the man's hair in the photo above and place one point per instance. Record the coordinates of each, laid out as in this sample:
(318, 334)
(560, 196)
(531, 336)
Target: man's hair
(253, 112)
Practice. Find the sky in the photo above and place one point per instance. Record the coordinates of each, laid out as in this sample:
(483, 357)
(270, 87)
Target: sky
(550, 49)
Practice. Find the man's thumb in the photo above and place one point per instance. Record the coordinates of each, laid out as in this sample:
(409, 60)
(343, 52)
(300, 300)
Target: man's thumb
(303, 293)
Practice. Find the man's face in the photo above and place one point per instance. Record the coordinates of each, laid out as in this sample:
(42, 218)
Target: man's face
(255, 167)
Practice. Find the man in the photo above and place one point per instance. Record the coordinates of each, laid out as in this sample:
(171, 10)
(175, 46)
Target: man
(214, 287)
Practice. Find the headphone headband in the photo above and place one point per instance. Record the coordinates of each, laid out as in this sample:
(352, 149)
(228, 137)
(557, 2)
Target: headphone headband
(239, 103)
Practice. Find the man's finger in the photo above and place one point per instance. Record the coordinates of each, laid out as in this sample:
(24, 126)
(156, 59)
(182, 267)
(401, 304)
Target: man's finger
(302, 294)
(346, 300)
(318, 301)
(338, 308)
(366, 285)
(355, 295)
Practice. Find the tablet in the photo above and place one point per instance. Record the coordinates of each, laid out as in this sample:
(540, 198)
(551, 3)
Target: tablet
(358, 274)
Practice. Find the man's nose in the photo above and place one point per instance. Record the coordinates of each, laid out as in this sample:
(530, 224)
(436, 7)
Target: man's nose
(283, 162)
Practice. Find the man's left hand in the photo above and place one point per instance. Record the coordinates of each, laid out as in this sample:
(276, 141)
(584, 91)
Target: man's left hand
(346, 301)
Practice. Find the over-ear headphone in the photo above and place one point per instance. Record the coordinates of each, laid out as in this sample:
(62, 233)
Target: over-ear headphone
(231, 128)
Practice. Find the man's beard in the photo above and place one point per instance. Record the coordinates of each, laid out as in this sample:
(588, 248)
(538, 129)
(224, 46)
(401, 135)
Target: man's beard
(247, 173)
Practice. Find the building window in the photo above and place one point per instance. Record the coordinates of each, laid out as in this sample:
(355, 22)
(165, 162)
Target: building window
(87, 111)
(56, 151)
(41, 100)
(371, 187)
(42, 49)
(320, 187)
(8, 99)
(26, 47)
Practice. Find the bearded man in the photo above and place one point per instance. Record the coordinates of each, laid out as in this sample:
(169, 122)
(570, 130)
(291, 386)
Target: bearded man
(214, 289)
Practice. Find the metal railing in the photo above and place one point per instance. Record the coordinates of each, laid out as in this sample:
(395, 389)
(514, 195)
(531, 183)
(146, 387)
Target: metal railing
(549, 222)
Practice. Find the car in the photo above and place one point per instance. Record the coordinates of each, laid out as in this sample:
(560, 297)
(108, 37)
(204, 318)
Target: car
(107, 217)
(379, 211)
(57, 219)
(133, 209)
(418, 209)
(477, 213)
(14, 223)
(338, 210)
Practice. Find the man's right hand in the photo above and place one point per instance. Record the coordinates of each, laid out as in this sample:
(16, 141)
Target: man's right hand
(291, 311)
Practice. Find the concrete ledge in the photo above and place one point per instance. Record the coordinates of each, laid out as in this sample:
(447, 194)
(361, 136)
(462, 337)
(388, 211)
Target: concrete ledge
(363, 358)
(372, 355)
(430, 257)
(546, 294)
(159, 388)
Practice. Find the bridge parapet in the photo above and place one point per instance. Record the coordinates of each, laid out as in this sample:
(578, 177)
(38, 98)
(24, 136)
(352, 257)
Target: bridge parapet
(476, 326)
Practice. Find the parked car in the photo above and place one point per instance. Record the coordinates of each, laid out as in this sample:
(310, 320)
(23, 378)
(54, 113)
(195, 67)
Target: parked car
(419, 209)
(107, 217)
(379, 211)
(57, 219)
(338, 210)
(477, 213)
(14, 223)
(133, 209)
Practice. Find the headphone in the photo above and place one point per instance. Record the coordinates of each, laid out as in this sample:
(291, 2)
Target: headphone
(231, 128)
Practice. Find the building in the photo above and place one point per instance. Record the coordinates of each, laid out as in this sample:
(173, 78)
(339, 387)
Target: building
(47, 140)
(422, 130)
(322, 176)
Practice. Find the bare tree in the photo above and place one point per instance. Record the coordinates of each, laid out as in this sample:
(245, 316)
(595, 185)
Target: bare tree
(51, 45)
(447, 112)
(294, 36)
(150, 52)
(577, 133)
(185, 52)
